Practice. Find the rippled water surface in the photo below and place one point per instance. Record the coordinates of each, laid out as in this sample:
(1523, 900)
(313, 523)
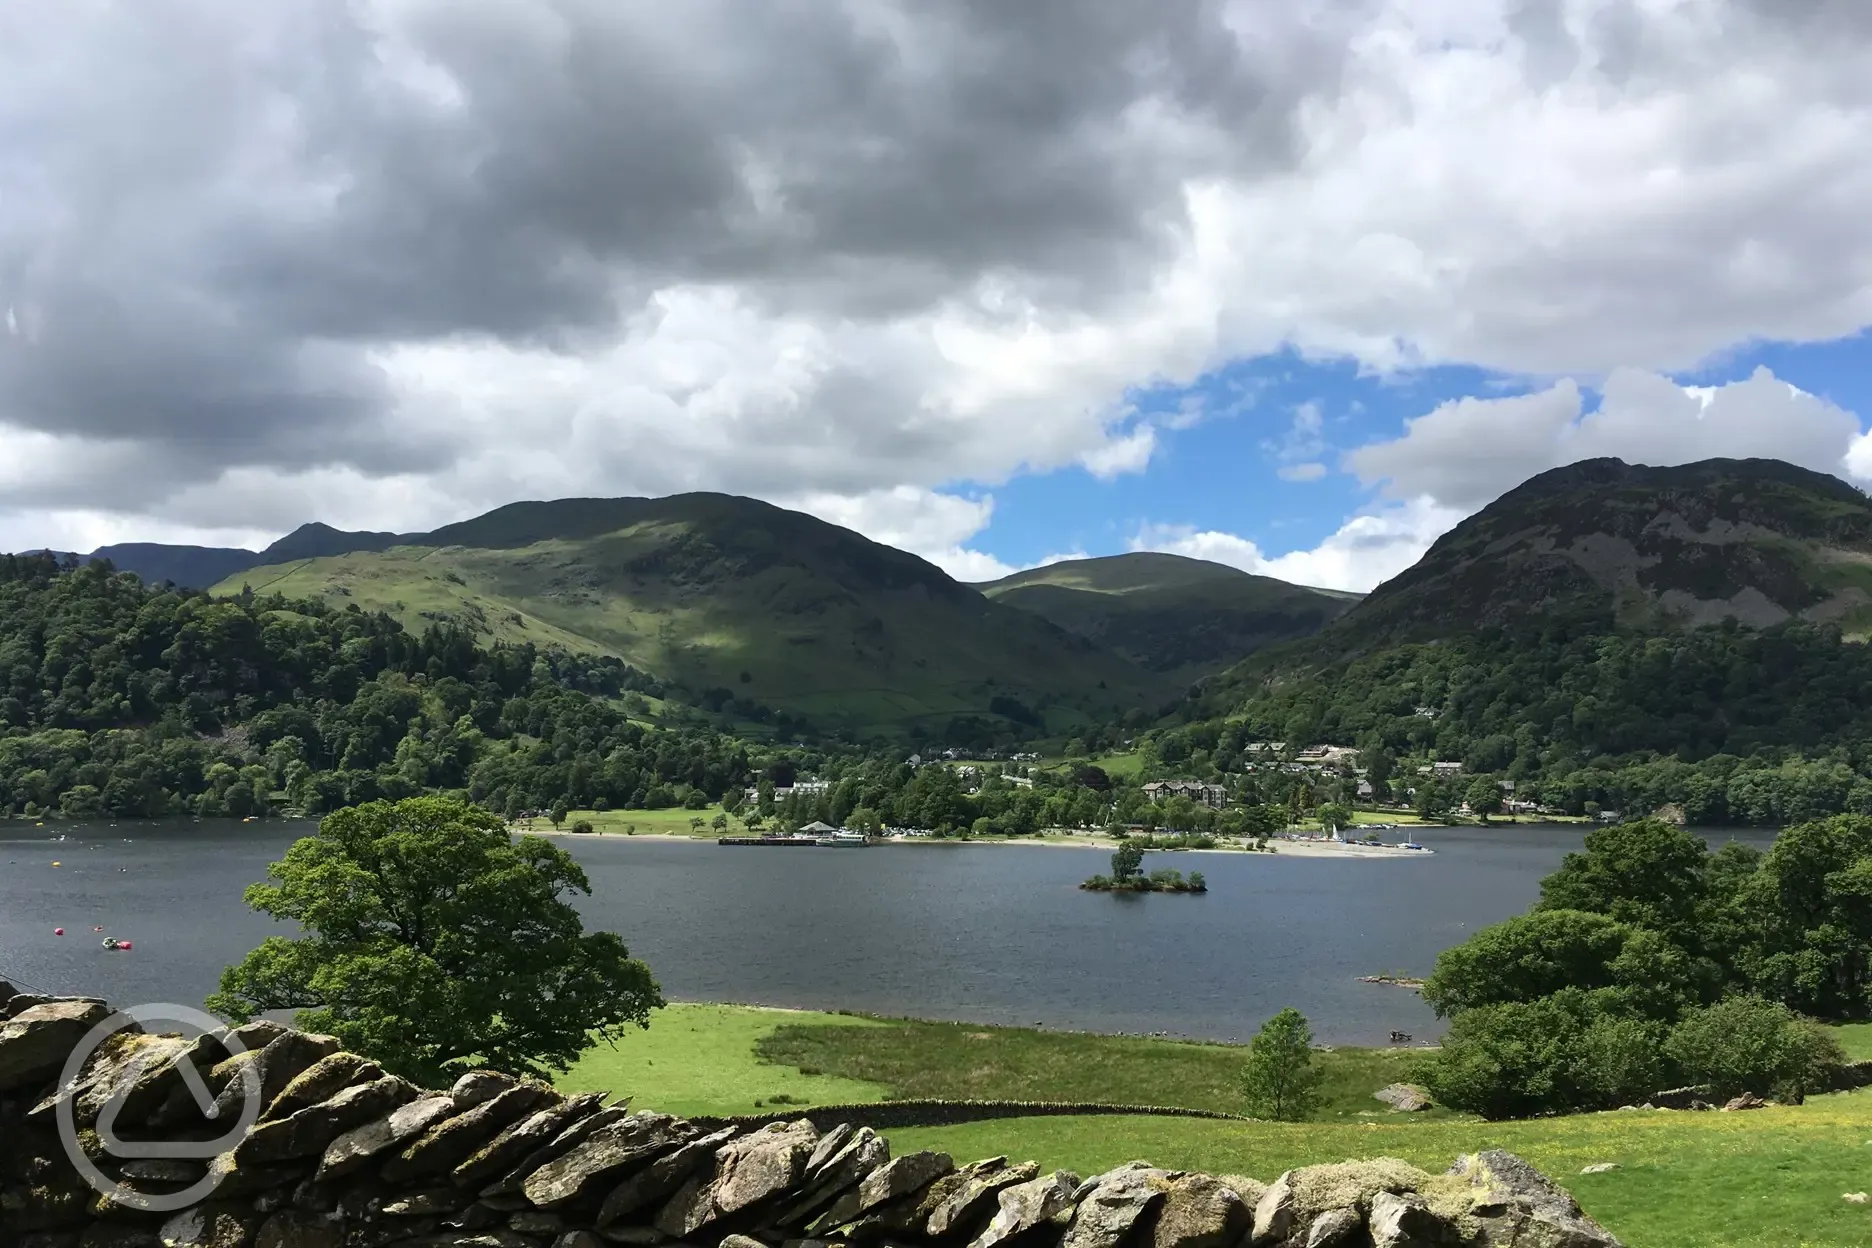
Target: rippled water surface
(983, 932)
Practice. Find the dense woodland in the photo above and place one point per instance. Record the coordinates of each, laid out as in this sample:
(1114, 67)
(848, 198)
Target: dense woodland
(120, 699)
(1735, 726)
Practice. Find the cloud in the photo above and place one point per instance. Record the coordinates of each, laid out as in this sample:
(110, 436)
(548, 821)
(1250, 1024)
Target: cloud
(397, 261)
(1468, 451)
(1365, 551)
(1310, 471)
(923, 522)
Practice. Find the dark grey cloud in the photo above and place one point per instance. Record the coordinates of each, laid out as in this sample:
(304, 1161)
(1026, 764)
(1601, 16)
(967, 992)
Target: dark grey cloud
(216, 210)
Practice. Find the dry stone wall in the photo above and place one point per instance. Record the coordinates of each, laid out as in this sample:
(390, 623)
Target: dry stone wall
(339, 1154)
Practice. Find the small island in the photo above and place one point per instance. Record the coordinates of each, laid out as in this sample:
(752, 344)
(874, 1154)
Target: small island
(1127, 876)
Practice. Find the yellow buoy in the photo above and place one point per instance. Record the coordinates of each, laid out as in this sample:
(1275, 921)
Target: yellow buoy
(55, 864)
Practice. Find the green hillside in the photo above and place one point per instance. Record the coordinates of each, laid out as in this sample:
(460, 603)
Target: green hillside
(723, 593)
(1756, 541)
(1183, 617)
(1605, 636)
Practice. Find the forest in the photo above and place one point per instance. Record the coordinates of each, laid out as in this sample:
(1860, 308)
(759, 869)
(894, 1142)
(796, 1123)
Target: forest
(1731, 725)
(121, 699)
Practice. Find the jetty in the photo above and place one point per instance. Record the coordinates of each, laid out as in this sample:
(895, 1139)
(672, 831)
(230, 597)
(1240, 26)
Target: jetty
(810, 842)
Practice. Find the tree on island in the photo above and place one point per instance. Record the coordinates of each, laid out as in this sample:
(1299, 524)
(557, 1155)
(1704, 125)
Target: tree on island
(1126, 863)
(1279, 1081)
(435, 943)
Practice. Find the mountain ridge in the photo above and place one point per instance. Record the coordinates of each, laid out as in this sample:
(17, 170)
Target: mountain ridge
(1170, 613)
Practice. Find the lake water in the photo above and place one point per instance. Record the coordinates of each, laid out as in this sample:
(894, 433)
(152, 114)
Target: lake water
(987, 933)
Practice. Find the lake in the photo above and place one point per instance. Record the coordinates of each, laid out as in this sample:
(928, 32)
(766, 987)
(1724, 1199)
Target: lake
(988, 933)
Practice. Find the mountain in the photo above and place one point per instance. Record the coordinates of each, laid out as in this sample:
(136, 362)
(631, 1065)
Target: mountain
(721, 593)
(1754, 540)
(1184, 617)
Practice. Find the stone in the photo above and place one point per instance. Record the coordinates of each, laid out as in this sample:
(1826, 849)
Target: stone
(1274, 1213)
(453, 1140)
(862, 1152)
(975, 1198)
(535, 1222)
(1855, 1198)
(277, 1064)
(256, 1035)
(768, 1163)
(1335, 1228)
(1516, 1204)
(477, 1087)
(35, 1043)
(829, 1146)
(236, 1178)
(1200, 1211)
(1116, 1200)
(295, 1228)
(474, 1217)
(1747, 1100)
(643, 1236)
(1405, 1221)
(320, 1081)
(309, 1131)
(741, 1241)
(1027, 1206)
(1599, 1167)
(561, 1144)
(142, 1069)
(211, 1225)
(501, 1153)
(351, 1150)
(604, 1158)
(425, 1202)
(494, 1237)
(582, 1239)
(163, 1170)
(897, 1178)
(1404, 1098)
(747, 1171)
(662, 1177)
(118, 1235)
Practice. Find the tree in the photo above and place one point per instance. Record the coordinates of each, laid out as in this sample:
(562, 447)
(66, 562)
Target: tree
(558, 813)
(1647, 873)
(1126, 861)
(436, 944)
(1484, 797)
(1333, 816)
(1432, 803)
(1279, 1081)
(1527, 957)
(1746, 1044)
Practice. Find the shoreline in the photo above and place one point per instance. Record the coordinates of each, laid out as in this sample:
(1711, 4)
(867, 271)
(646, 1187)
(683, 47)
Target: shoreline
(1290, 849)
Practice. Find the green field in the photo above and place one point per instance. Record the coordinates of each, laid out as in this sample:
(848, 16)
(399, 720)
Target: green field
(1771, 1178)
(673, 821)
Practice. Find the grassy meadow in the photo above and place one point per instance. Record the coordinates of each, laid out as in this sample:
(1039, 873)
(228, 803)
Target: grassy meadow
(1770, 1178)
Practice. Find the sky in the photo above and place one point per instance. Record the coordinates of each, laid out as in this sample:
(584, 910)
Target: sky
(1293, 285)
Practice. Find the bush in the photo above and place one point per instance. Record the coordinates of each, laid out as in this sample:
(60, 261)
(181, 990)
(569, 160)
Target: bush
(1562, 1052)
(583, 826)
(1747, 1044)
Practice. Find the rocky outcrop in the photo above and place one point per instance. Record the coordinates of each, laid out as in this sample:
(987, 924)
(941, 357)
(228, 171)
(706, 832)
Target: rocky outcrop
(342, 1155)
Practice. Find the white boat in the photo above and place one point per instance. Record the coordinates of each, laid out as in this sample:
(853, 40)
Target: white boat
(842, 838)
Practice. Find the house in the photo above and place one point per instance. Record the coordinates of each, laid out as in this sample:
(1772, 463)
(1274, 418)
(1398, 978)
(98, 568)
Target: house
(1203, 794)
(1365, 790)
(1441, 770)
(1264, 747)
(801, 788)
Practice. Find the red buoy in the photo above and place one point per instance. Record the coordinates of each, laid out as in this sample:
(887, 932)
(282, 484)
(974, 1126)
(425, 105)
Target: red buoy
(123, 944)
(58, 931)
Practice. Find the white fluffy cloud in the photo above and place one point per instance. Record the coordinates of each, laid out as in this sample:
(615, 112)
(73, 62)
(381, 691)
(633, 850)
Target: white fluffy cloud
(1469, 451)
(394, 262)
(1367, 549)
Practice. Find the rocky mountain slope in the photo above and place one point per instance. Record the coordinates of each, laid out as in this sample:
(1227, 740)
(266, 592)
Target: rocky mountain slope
(1183, 617)
(717, 592)
(1757, 541)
